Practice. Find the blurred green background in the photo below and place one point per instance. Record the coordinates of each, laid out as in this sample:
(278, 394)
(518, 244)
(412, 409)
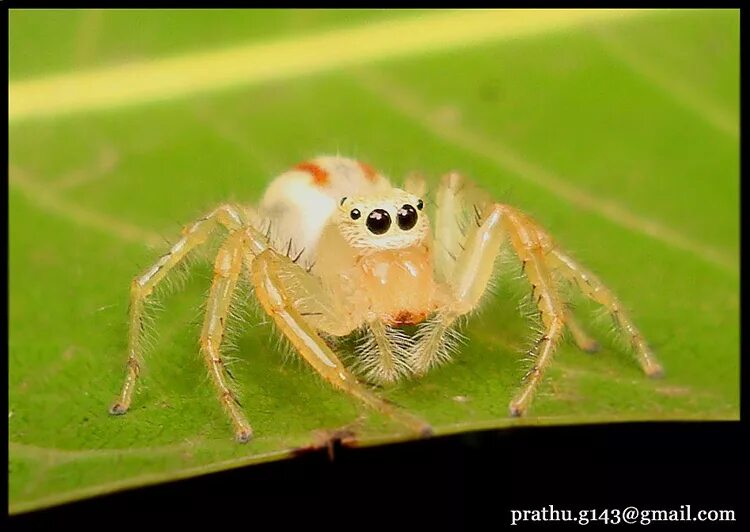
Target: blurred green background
(619, 136)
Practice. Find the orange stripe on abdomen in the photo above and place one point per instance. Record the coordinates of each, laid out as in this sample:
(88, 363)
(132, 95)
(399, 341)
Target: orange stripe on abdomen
(319, 175)
(368, 170)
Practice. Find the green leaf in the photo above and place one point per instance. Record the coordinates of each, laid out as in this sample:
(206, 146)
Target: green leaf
(621, 138)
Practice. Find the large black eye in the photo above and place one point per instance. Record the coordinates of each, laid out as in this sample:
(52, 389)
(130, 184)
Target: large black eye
(407, 217)
(355, 214)
(378, 221)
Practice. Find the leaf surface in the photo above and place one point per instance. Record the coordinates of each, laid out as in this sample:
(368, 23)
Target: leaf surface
(620, 138)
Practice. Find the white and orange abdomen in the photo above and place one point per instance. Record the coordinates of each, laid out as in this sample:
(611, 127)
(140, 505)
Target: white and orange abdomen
(298, 203)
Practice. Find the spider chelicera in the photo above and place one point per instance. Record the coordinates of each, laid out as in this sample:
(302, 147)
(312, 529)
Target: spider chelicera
(334, 249)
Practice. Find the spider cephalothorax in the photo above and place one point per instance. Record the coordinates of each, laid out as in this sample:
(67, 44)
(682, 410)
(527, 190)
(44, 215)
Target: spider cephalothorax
(333, 250)
(391, 220)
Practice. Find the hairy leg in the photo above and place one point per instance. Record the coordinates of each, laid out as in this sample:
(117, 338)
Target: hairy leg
(380, 354)
(471, 271)
(540, 257)
(415, 184)
(279, 304)
(457, 203)
(227, 269)
(580, 336)
(143, 286)
(470, 275)
(381, 357)
(595, 290)
(530, 249)
(465, 251)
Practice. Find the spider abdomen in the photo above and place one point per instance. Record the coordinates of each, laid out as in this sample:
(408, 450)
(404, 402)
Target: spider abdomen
(299, 202)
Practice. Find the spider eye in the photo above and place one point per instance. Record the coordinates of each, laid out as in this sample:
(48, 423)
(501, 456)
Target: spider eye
(379, 221)
(420, 205)
(355, 214)
(407, 217)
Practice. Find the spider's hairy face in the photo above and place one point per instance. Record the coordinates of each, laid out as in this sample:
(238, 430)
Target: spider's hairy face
(390, 220)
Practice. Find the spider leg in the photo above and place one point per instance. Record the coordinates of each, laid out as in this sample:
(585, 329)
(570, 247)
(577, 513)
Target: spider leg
(470, 271)
(455, 202)
(382, 355)
(449, 227)
(227, 269)
(143, 286)
(530, 249)
(540, 258)
(278, 302)
(580, 336)
(415, 184)
(464, 252)
(595, 290)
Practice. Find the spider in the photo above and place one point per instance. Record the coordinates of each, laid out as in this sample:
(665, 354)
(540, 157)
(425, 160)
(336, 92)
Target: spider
(367, 261)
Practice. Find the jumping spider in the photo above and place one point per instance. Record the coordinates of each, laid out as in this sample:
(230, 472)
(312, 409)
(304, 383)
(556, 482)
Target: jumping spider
(365, 261)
